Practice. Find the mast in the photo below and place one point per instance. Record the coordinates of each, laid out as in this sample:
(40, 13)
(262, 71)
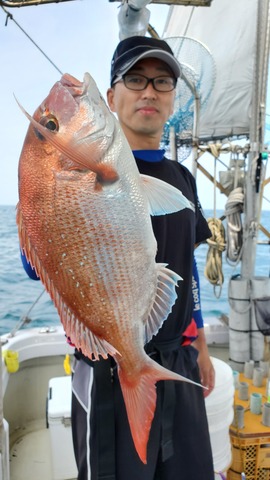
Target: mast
(257, 126)
(255, 286)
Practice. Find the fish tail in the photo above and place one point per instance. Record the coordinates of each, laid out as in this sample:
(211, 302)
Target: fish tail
(140, 400)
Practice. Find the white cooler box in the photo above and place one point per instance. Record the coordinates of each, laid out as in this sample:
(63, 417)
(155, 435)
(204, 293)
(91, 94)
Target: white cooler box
(59, 424)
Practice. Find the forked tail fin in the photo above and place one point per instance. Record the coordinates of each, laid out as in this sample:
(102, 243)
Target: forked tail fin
(140, 399)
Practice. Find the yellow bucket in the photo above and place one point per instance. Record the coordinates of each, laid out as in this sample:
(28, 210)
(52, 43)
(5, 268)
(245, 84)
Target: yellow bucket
(11, 360)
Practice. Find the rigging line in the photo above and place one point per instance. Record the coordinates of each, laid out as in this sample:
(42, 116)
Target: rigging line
(25, 318)
(188, 22)
(10, 16)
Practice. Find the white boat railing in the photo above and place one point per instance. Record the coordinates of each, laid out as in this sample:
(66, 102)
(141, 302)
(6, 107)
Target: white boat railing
(4, 441)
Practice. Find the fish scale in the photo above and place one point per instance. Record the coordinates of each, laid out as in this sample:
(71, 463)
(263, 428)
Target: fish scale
(103, 260)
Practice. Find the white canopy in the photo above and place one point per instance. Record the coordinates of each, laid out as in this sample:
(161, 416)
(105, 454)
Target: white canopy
(228, 29)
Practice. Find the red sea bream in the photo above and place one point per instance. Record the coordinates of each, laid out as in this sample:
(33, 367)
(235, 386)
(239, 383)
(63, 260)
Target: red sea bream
(84, 224)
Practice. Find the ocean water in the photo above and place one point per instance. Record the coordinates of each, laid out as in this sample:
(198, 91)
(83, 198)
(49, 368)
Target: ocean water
(19, 295)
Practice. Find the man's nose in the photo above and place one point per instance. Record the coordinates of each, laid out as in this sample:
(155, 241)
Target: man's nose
(149, 91)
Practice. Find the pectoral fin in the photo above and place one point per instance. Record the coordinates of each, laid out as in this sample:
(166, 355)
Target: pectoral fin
(162, 197)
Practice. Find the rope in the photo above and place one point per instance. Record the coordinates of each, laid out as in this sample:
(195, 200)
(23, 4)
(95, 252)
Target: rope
(26, 319)
(213, 268)
(233, 210)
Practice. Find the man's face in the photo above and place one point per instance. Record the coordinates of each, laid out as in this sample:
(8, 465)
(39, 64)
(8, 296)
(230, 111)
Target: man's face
(143, 113)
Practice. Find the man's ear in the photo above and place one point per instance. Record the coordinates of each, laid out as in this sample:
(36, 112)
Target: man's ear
(110, 99)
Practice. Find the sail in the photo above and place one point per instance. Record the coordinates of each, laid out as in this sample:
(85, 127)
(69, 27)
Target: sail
(228, 28)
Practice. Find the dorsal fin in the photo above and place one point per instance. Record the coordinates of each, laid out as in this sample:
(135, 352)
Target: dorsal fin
(90, 344)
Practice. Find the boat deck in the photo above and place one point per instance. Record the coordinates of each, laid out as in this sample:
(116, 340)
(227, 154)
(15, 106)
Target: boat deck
(30, 446)
(29, 454)
(40, 442)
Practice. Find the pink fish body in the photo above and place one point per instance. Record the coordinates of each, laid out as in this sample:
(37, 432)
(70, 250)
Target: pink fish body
(84, 224)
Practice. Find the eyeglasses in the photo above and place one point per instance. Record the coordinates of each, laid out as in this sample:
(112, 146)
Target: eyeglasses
(140, 82)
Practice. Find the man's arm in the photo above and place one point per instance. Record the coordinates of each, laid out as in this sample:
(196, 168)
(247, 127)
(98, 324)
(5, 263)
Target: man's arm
(207, 371)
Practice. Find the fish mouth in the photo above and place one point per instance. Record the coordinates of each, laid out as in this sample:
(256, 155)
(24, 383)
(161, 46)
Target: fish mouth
(76, 88)
(79, 89)
(86, 91)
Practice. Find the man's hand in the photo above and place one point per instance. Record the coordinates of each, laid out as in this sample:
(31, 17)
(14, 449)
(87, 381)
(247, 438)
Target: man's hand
(207, 371)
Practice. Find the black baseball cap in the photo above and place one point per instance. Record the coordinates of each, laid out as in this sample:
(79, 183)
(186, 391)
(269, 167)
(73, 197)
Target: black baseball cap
(130, 50)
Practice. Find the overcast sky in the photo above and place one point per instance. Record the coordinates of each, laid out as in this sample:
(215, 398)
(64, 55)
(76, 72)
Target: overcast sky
(77, 36)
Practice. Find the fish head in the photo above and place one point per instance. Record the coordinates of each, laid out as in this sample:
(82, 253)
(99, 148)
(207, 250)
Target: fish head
(72, 129)
(82, 113)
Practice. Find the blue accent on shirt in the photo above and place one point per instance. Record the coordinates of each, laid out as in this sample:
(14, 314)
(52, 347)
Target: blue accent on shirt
(197, 313)
(31, 272)
(149, 155)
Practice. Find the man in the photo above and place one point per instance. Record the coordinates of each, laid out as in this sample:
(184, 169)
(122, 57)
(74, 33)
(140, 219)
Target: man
(143, 78)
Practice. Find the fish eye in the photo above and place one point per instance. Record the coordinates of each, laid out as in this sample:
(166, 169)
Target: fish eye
(50, 122)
